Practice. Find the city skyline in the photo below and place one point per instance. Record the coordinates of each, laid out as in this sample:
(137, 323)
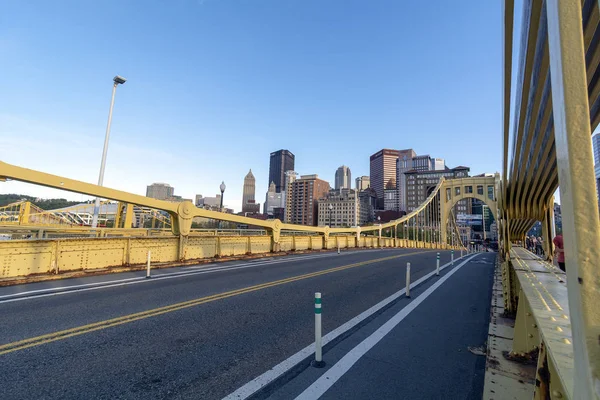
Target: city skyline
(228, 202)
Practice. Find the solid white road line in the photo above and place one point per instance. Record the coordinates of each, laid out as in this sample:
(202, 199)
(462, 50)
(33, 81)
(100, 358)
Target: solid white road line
(34, 294)
(269, 376)
(329, 378)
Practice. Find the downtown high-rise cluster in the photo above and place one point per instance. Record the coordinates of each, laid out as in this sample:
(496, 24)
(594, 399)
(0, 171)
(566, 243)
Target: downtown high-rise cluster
(398, 181)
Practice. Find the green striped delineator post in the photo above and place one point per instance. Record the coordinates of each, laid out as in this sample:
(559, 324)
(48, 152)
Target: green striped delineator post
(148, 265)
(437, 265)
(407, 279)
(452, 256)
(318, 362)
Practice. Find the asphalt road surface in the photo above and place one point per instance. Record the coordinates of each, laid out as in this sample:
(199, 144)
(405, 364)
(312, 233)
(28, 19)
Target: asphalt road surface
(198, 335)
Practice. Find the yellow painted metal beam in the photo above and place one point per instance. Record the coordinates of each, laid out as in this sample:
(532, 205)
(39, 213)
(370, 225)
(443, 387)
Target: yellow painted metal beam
(508, 9)
(59, 182)
(581, 227)
(182, 213)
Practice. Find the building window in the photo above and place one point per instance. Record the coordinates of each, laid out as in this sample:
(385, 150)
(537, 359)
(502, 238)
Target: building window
(480, 190)
(468, 189)
(448, 194)
(457, 190)
(491, 192)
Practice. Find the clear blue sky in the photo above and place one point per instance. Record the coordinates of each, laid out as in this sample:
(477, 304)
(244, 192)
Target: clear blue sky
(215, 85)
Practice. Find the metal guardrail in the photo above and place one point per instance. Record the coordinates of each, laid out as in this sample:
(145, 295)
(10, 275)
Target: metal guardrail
(542, 323)
(556, 107)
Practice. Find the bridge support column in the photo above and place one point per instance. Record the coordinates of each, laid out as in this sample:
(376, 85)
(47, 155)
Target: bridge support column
(182, 245)
(128, 216)
(275, 236)
(526, 337)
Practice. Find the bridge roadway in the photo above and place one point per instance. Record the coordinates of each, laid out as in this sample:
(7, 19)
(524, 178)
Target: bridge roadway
(210, 331)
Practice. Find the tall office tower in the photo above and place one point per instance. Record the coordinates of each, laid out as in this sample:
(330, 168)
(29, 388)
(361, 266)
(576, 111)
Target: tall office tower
(290, 177)
(383, 168)
(248, 200)
(437, 164)
(343, 178)
(420, 184)
(273, 200)
(417, 163)
(160, 191)
(304, 197)
(362, 183)
(281, 161)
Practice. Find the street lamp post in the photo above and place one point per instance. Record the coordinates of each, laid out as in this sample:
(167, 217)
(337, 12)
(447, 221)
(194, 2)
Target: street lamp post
(379, 221)
(222, 187)
(330, 209)
(118, 80)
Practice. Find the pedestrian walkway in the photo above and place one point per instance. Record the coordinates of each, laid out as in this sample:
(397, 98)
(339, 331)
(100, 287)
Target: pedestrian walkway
(431, 346)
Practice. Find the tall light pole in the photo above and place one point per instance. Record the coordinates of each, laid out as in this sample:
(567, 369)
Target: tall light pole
(222, 187)
(118, 80)
(330, 209)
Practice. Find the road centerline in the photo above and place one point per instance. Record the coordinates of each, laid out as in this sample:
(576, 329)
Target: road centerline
(80, 330)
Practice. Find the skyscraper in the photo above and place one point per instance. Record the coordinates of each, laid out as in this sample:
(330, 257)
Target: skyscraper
(248, 200)
(383, 168)
(417, 163)
(160, 191)
(438, 164)
(420, 184)
(281, 161)
(343, 178)
(290, 177)
(362, 183)
(306, 192)
(273, 200)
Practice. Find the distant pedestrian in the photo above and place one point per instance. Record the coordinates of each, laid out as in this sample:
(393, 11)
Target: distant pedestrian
(560, 252)
(527, 242)
(539, 249)
(533, 244)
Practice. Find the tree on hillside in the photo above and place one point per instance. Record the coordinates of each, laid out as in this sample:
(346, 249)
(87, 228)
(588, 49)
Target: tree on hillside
(45, 204)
